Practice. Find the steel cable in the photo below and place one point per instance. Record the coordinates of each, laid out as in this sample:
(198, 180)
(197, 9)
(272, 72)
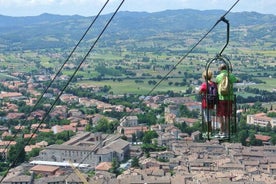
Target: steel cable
(210, 30)
(47, 88)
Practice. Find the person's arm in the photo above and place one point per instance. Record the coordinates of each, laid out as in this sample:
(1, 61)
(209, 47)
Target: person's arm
(234, 79)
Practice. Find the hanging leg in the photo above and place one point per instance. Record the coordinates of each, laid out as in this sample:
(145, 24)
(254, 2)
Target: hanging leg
(222, 124)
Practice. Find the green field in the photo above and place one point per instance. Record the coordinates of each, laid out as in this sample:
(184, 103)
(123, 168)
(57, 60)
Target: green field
(130, 87)
(270, 84)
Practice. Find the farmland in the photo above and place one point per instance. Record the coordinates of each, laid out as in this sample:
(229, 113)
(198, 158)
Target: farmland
(151, 59)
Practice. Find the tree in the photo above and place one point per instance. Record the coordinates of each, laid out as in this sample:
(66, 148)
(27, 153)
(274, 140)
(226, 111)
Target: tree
(65, 135)
(106, 88)
(3, 166)
(242, 137)
(33, 153)
(17, 154)
(185, 112)
(104, 125)
(268, 127)
(49, 137)
(88, 128)
(271, 114)
(101, 125)
(115, 166)
(135, 162)
(253, 141)
(133, 138)
(148, 136)
(148, 118)
(273, 140)
(182, 126)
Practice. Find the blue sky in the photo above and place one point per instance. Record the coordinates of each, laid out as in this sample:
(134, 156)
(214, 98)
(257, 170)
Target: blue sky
(91, 7)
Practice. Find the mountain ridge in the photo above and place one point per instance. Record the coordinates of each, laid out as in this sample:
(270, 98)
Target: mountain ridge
(25, 32)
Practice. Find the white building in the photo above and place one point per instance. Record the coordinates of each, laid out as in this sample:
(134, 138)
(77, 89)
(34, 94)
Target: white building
(129, 121)
(261, 119)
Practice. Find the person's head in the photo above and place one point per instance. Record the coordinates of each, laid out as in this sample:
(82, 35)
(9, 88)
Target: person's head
(208, 75)
(223, 67)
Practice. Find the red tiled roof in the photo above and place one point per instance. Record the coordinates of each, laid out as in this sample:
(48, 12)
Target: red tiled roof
(29, 148)
(10, 94)
(34, 126)
(132, 130)
(264, 138)
(19, 127)
(58, 129)
(44, 168)
(45, 130)
(29, 135)
(104, 166)
(6, 133)
(5, 143)
(15, 115)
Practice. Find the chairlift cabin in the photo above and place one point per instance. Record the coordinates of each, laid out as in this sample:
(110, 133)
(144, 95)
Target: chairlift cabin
(219, 121)
(219, 116)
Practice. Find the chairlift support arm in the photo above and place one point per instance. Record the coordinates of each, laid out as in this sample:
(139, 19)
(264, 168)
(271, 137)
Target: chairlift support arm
(228, 32)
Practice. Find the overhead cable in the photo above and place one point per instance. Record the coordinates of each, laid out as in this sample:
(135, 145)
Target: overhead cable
(190, 51)
(116, 11)
(47, 88)
(184, 57)
(210, 30)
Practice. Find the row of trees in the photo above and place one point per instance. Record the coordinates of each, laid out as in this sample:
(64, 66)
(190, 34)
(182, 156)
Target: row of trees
(260, 96)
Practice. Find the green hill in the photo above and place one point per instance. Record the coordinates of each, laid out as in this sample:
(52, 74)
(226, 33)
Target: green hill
(56, 31)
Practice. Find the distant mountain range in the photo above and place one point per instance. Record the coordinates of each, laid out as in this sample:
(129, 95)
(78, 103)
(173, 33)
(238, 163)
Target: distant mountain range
(56, 31)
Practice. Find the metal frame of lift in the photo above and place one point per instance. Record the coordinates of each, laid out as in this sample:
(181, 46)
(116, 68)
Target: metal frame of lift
(232, 125)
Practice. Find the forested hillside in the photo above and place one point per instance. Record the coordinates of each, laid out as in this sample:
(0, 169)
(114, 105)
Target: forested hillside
(55, 31)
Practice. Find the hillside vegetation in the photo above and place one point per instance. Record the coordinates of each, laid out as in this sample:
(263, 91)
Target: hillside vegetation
(138, 49)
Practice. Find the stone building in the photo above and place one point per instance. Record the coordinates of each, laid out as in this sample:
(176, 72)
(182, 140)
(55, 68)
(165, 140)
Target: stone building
(87, 148)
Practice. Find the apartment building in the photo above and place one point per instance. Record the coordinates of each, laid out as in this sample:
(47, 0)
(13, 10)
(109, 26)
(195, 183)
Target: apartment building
(261, 119)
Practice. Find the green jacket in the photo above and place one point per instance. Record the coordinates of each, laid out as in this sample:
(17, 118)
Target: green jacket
(232, 79)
